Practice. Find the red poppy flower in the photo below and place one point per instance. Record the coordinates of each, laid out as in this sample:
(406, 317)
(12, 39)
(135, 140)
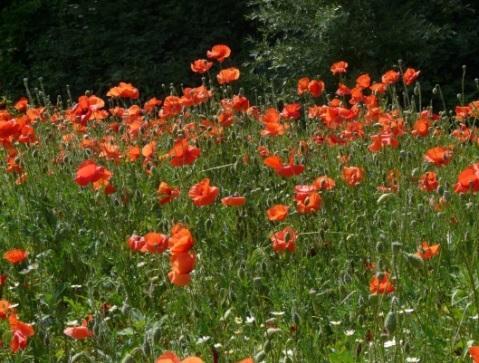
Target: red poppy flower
(183, 154)
(468, 180)
(339, 67)
(380, 284)
(151, 104)
(291, 111)
(363, 81)
(378, 88)
(136, 242)
(155, 242)
(474, 353)
(80, 332)
(382, 140)
(181, 239)
(167, 193)
(421, 127)
(170, 357)
(89, 172)
(277, 212)
(233, 201)
(246, 360)
(307, 199)
(201, 66)
(284, 240)
(219, 52)
(124, 90)
(21, 105)
(15, 256)
(284, 170)
(353, 175)
(202, 193)
(179, 279)
(316, 87)
(228, 75)
(302, 85)
(172, 106)
(183, 262)
(438, 156)
(324, 183)
(428, 182)
(427, 251)
(20, 333)
(390, 77)
(5, 308)
(410, 76)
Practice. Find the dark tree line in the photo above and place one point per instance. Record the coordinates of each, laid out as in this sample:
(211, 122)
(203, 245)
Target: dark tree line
(94, 44)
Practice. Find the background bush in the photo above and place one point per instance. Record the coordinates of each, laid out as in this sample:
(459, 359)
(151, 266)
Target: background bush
(303, 37)
(94, 44)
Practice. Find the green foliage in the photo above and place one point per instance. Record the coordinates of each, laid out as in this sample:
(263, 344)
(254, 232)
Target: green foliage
(303, 37)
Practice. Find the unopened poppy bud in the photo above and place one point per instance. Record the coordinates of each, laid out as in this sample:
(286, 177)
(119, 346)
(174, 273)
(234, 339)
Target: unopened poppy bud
(260, 356)
(459, 96)
(435, 90)
(464, 67)
(440, 190)
(146, 347)
(417, 88)
(267, 346)
(476, 80)
(296, 318)
(125, 308)
(380, 246)
(128, 358)
(396, 246)
(390, 322)
(156, 333)
(414, 260)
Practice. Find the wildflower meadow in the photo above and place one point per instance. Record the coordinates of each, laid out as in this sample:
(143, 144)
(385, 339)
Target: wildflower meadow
(319, 222)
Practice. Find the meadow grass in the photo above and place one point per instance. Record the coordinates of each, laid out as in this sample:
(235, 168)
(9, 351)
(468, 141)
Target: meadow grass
(244, 299)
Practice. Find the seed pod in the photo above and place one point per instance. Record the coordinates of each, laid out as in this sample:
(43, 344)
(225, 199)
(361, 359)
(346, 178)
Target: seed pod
(267, 346)
(128, 358)
(260, 356)
(390, 322)
(396, 246)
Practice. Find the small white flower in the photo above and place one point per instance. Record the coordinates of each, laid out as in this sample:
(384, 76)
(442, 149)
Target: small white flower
(202, 340)
(277, 313)
(250, 320)
(335, 322)
(349, 332)
(412, 360)
(390, 343)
